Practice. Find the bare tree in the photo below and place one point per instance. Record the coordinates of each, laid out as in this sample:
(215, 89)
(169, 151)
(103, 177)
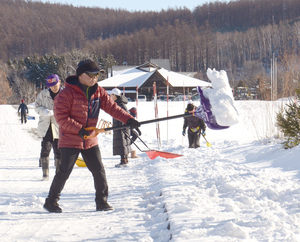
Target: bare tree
(251, 71)
(5, 90)
(289, 75)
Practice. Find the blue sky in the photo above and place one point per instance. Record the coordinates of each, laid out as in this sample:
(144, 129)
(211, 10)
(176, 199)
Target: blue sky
(134, 5)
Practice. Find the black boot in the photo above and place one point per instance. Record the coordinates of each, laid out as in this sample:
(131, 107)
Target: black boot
(102, 205)
(123, 163)
(52, 207)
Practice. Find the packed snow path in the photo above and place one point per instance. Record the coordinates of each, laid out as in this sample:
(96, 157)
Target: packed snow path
(236, 190)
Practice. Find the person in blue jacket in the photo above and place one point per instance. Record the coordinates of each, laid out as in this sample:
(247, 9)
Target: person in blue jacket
(24, 111)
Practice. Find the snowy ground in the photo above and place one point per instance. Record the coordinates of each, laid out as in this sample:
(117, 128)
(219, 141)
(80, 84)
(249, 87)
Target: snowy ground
(243, 188)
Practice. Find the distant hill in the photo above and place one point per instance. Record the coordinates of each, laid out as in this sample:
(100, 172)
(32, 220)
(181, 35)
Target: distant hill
(29, 27)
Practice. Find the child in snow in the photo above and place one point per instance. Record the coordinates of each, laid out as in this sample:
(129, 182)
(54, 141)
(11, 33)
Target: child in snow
(195, 125)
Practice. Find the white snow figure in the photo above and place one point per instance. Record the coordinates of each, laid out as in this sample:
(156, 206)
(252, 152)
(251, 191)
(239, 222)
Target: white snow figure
(221, 98)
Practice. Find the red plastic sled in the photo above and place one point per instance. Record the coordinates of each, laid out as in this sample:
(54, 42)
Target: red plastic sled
(152, 154)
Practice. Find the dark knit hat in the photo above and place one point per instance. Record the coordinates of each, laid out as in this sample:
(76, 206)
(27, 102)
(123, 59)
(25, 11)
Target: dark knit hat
(87, 66)
(52, 80)
(133, 112)
(190, 107)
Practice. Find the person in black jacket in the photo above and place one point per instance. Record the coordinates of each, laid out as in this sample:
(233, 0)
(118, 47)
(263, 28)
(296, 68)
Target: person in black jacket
(24, 111)
(121, 140)
(195, 125)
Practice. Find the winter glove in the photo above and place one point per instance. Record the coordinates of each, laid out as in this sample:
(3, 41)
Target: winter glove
(133, 124)
(183, 132)
(83, 132)
(134, 136)
(203, 133)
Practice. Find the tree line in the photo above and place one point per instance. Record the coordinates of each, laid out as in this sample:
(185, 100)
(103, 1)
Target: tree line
(244, 14)
(239, 36)
(30, 27)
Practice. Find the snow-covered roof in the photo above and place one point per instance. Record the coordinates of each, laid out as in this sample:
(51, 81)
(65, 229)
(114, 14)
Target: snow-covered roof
(139, 75)
(179, 80)
(129, 78)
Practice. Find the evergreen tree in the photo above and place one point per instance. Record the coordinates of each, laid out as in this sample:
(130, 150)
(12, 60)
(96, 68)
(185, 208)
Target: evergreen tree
(289, 122)
(31, 72)
(109, 61)
(34, 73)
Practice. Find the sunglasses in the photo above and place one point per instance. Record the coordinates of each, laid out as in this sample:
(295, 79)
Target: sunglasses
(93, 75)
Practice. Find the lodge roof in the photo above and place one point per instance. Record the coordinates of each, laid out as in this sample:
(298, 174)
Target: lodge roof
(149, 72)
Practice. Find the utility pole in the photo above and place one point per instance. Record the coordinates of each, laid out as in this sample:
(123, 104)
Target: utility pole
(273, 78)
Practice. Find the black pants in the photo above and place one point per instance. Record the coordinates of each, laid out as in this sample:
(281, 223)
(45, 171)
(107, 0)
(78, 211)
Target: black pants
(23, 117)
(194, 138)
(47, 143)
(93, 160)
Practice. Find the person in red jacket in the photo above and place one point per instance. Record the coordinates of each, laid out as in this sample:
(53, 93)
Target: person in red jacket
(76, 107)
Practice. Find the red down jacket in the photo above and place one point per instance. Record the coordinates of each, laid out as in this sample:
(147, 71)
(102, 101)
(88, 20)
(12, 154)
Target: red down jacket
(74, 110)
